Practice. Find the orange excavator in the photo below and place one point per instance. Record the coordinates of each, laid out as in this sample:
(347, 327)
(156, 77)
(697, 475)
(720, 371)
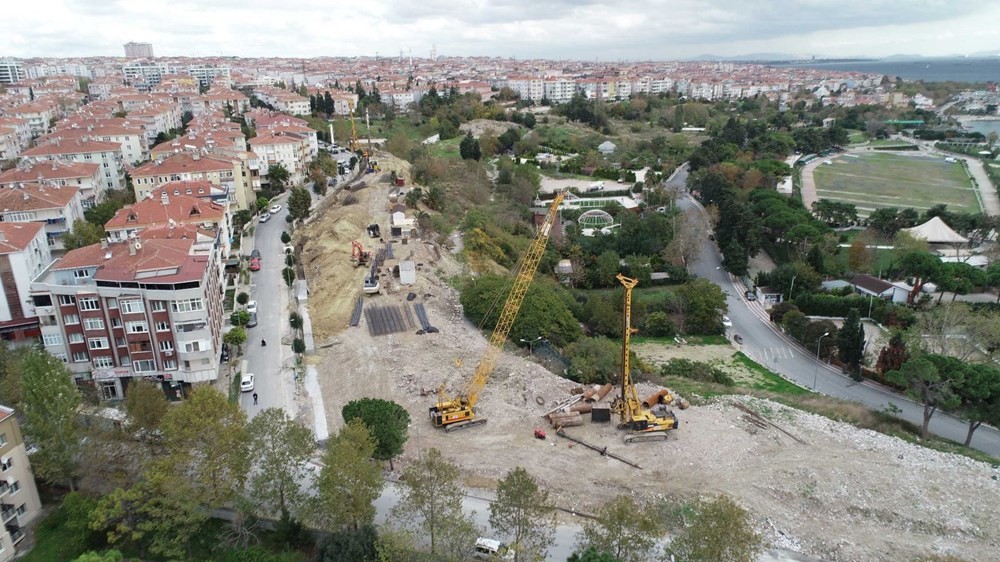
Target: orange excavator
(359, 256)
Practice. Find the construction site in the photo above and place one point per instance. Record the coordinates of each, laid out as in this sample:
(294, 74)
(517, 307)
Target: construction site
(388, 324)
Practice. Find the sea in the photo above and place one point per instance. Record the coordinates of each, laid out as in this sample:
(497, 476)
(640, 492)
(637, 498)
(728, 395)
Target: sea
(928, 70)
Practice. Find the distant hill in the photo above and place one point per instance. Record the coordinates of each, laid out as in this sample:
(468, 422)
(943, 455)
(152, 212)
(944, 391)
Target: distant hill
(755, 57)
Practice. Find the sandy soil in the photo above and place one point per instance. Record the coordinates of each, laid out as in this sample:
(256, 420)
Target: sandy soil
(840, 494)
(480, 126)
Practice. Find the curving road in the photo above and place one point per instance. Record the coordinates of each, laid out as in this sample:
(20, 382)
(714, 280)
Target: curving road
(770, 347)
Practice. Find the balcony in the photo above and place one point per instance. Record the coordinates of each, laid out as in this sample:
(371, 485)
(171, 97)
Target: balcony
(7, 512)
(16, 535)
(4, 488)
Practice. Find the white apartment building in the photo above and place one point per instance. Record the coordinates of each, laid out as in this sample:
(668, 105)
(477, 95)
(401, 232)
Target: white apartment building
(559, 90)
(289, 149)
(135, 50)
(226, 172)
(55, 207)
(85, 177)
(88, 151)
(528, 87)
(15, 136)
(11, 71)
(149, 307)
(24, 253)
(19, 501)
(206, 75)
(143, 75)
(132, 138)
(38, 115)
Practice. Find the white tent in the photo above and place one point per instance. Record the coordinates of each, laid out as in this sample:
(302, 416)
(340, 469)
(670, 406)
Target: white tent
(935, 231)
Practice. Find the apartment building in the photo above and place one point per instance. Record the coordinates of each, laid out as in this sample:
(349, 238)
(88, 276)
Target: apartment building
(291, 150)
(149, 307)
(206, 75)
(169, 206)
(143, 75)
(283, 100)
(53, 206)
(11, 71)
(156, 118)
(226, 172)
(86, 177)
(39, 116)
(218, 100)
(15, 136)
(88, 151)
(24, 253)
(194, 141)
(19, 501)
(527, 87)
(131, 136)
(135, 50)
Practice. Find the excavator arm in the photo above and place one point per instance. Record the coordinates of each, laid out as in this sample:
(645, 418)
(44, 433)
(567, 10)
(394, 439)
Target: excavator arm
(459, 409)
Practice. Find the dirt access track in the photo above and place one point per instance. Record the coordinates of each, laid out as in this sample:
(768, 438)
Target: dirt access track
(833, 492)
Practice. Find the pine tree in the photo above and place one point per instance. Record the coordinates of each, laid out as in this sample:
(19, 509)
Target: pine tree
(851, 342)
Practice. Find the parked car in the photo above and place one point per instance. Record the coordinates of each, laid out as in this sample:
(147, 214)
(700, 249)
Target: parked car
(255, 264)
(491, 549)
(274, 209)
(264, 217)
(750, 295)
(727, 322)
(225, 353)
(246, 382)
(253, 320)
(255, 253)
(252, 307)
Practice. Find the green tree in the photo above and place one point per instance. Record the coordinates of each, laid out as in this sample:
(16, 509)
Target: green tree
(386, 420)
(432, 501)
(719, 531)
(49, 401)
(205, 440)
(522, 513)
(160, 513)
(280, 447)
(979, 397)
(93, 556)
(235, 337)
(349, 481)
(932, 381)
(145, 405)
(285, 237)
(624, 529)
(298, 346)
(295, 321)
(242, 298)
(434, 198)
(922, 266)
(83, 234)
(658, 325)
(735, 259)
(298, 203)
(349, 546)
(288, 274)
(591, 555)
(469, 148)
(73, 517)
(277, 176)
(543, 313)
(594, 360)
(413, 197)
(239, 318)
(705, 303)
(851, 342)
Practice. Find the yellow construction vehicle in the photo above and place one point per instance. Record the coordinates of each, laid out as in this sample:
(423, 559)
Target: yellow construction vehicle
(354, 144)
(458, 411)
(644, 423)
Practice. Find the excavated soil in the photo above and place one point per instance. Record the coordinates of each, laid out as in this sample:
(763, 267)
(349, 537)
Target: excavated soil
(824, 488)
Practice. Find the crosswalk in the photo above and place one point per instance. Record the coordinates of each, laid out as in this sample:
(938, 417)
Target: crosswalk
(769, 355)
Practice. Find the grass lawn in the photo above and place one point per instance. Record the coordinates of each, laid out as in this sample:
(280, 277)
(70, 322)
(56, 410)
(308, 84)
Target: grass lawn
(856, 137)
(691, 340)
(873, 181)
(889, 142)
(446, 148)
(640, 294)
(765, 379)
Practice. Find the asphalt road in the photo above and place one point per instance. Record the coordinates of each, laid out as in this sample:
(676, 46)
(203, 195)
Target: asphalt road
(766, 344)
(273, 385)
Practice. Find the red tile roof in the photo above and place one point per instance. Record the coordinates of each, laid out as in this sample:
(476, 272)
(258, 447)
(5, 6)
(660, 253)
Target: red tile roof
(17, 235)
(180, 208)
(181, 163)
(54, 170)
(34, 197)
(115, 263)
(56, 147)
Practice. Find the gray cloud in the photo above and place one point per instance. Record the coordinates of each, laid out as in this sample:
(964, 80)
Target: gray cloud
(582, 29)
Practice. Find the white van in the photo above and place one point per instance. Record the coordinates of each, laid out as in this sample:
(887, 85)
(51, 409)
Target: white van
(491, 549)
(950, 160)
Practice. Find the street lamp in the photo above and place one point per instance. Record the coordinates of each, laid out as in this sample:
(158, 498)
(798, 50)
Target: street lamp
(531, 344)
(792, 290)
(816, 367)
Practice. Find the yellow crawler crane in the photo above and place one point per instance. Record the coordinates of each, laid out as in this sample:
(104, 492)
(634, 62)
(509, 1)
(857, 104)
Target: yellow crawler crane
(458, 411)
(642, 423)
(354, 144)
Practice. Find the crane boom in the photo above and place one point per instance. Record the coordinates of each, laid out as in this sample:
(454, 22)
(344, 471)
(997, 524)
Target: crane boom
(628, 389)
(459, 409)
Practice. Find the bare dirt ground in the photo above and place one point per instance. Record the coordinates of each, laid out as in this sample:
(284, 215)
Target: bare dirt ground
(480, 126)
(839, 494)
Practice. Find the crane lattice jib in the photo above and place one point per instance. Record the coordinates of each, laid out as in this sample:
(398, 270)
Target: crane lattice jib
(627, 386)
(522, 281)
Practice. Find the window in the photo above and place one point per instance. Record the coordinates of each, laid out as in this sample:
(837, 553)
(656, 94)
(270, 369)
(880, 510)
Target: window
(97, 343)
(170, 365)
(76, 338)
(21, 510)
(81, 274)
(162, 326)
(80, 357)
(93, 324)
(14, 488)
(67, 299)
(52, 339)
(188, 305)
(166, 345)
(3, 439)
(60, 356)
(129, 307)
(196, 346)
(125, 361)
(5, 464)
(136, 327)
(116, 322)
(103, 362)
(19, 217)
(112, 303)
(71, 319)
(144, 365)
(120, 342)
(89, 303)
(158, 306)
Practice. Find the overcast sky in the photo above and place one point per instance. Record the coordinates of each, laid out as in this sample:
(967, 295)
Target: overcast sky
(607, 30)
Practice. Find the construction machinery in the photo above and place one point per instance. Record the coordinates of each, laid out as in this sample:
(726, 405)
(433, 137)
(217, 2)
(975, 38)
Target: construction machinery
(354, 144)
(359, 256)
(458, 411)
(642, 423)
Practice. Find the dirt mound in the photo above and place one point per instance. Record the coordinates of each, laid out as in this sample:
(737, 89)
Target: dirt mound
(480, 126)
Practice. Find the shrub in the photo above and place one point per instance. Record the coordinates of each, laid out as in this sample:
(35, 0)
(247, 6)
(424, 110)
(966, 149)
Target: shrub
(298, 345)
(696, 370)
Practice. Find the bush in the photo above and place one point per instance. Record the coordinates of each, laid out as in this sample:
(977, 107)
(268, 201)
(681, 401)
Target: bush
(298, 345)
(285, 237)
(658, 325)
(696, 370)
